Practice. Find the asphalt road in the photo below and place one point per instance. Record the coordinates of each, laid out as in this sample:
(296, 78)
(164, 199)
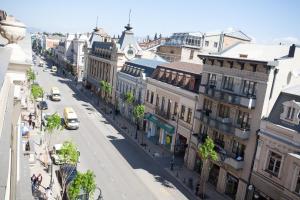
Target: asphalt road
(122, 169)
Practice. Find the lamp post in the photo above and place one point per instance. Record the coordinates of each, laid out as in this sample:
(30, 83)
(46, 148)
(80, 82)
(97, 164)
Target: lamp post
(100, 197)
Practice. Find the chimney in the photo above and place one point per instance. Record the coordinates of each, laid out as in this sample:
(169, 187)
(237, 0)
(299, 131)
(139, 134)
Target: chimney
(292, 51)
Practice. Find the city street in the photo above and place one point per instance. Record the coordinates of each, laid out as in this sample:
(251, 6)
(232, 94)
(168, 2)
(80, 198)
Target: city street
(122, 169)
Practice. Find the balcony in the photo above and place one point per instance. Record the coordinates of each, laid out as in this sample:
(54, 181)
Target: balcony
(198, 138)
(242, 133)
(248, 102)
(234, 163)
(228, 96)
(162, 113)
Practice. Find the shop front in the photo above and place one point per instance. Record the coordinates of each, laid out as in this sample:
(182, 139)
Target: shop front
(159, 132)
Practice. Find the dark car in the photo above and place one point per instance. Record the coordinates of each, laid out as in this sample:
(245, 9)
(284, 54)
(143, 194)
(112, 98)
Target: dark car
(42, 105)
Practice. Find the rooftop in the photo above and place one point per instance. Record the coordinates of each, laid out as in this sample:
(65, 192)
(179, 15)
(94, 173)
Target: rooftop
(184, 67)
(146, 62)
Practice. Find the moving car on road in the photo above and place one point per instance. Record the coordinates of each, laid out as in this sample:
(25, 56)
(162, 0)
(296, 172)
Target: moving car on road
(55, 94)
(70, 118)
(42, 105)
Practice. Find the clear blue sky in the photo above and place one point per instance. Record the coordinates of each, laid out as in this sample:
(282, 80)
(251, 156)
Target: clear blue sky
(265, 20)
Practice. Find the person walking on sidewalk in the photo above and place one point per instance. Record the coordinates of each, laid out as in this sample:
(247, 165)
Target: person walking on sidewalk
(48, 193)
(39, 180)
(33, 182)
(33, 124)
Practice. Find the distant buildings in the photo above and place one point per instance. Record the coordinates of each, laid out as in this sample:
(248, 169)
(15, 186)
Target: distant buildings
(186, 46)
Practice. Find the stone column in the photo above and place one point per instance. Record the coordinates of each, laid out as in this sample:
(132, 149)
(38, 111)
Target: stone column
(221, 185)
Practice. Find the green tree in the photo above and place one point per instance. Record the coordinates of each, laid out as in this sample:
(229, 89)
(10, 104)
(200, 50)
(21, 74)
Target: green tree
(129, 98)
(53, 125)
(30, 75)
(69, 157)
(36, 91)
(83, 182)
(106, 88)
(138, 114)
(207, 154)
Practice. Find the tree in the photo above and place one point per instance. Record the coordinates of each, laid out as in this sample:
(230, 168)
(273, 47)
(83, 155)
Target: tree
(83, 182)
(207, 153)
(138, 114)
(53, 124)
(106, 88)
(36, 91)
(30, 75)
(69, 157)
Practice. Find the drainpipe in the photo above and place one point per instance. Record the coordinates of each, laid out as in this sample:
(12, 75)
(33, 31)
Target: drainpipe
(252, 164)
(187, 157)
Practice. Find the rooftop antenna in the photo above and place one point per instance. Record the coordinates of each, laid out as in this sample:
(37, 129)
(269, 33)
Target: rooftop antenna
(128, 27)
(96, 29)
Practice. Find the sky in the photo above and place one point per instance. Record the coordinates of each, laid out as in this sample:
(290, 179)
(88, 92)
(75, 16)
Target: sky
(266, 21)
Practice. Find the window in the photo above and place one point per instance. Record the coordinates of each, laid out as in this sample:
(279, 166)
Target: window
(224, 111)
(157, 100)
(147, 97)
(182, 112)
(238, 149)
(189, 117)
(162, 104)
(191, 54)
(169, 107)
(212, 79)
(152, 97)
(290, 113)
(218, 139)
(175, 109)
(297, 189)
(274, 163)
(215, 44)
(207, 105)
(203, 129)
(243, 120)
(206, 43)
(228, 83)
(249, 87)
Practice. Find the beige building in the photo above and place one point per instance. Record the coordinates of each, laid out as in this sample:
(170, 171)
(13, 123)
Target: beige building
(238, 88)
(170, 101)
(276, 171)
(15, 59)
(186, 46)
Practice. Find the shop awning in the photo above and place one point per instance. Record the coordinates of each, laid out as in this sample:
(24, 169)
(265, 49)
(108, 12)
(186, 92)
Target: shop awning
(167, 127)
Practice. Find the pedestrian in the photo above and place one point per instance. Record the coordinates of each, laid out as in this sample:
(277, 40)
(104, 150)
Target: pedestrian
(197, 189)
(39, 180)
(30, 122)
(33, 182)
(33, 124)
(30, 115)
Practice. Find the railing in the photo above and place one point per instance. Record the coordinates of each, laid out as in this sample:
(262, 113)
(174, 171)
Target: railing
(162, 113)
(248, 101)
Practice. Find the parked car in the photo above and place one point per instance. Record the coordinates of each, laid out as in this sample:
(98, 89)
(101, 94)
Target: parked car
(45, 117)
(42, 105)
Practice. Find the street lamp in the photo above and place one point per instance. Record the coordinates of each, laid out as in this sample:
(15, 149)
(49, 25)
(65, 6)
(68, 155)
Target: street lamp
(100, 197)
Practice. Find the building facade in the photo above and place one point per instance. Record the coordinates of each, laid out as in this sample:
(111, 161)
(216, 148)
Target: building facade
(132, 78)
(276, 171)
(107, 57)
(238, 88)
(186, 46)
(15, 59)
(170, 101)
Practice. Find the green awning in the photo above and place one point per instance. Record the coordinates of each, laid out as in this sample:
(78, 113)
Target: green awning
(169, 128)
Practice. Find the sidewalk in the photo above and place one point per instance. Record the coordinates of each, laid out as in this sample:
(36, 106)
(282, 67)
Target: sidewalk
(186, 177)
(38, 164)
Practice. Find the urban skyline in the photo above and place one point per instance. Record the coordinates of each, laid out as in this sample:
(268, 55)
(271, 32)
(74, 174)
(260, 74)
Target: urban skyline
(149, 18)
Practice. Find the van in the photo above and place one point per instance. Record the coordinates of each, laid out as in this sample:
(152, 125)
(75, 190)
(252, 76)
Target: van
(54, 69)
(54, 94)
(70, 118)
